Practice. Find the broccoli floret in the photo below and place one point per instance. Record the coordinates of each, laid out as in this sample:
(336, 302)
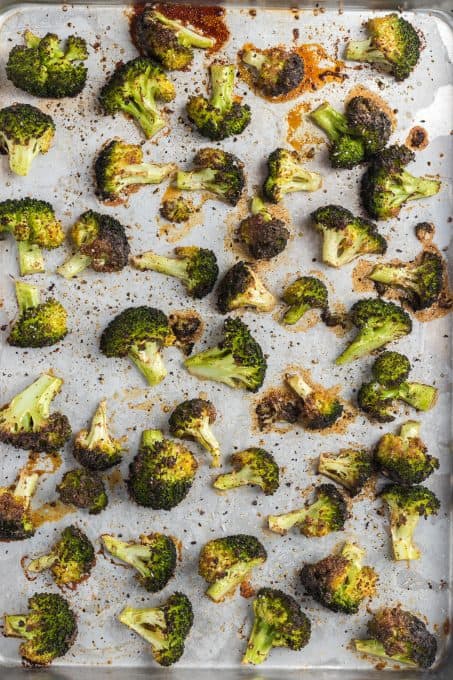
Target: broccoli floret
(70, 560)
(196, 268)
(391, 369)
(133, 89)
(265, 236)
(339, 581)
(278, 622)
(26, 422)
(378, 323)
(394, 43)
(368, 121)
(165, 627)
(219, 172)
(45, 69)
(320, 407)
(177, 209)
(275, 71)
(25, 132)
(241, 287)
(139, 333)
(187, 327)
(39, 324)
(154, 558)
(95, 448)
(238, 360)
(162, 472)
(192, 419)
(84, 489)
(285, 174)
(327, 513)
(49, 629)
(351, 468)
(226, 562)
(404, 457)
(278, 406)
(406, 505)
(303, 294)
(254, 467)
(387, 186)
(16, 523)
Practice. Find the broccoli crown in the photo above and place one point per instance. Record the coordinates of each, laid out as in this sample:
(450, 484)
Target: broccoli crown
(39, 324)
(275, 71)
(404, 457)
(16, 523)
(255, 467)
(320, 407)
(219, 172)
(277, 406)
(369, 122)
(241, 287)
(265, 236)
(25, 132)
(95, 448)
(285, 174)
(49, 629)
(345, 149)
(278, 622)
(45, 69)
(102, 239)
(70, 560)
(177, 209)
(162, 472)
(192, 419)
(391, 368)
(351, 468)
(31, 220)
(306, 292)
(84, 489)
(238, 360)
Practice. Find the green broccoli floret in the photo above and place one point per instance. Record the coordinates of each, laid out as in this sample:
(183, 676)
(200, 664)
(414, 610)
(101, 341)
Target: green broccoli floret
(406, 505)
(306, 292)
(162, 472)
(391, 368)
(177, 209)
(339, 581)
(351, 468)
(154, 558)
(278, 622)
(45, 69)
(275, 71)
(238, 360)
(25, 132)
(264, 236)
(320, 407)
(242, 287)
(394, 43)
(95, 449)
(133, 89)
(84, 489)
(327, 513)
(285, 174)
(196, 268)
(254, 467)
(219, 172)
(139, 333)
(70, 560)
(26, 422)
(192, 419)
(48, 630)
(16, 522)
(39, 324)
(226, 562)
(165, 627)
(404, 457)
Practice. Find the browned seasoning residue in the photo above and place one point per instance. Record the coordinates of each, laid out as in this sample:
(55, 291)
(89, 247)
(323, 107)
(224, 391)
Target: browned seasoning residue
(417, 139)
(114, 478)
(50, 512)
(446, 626)
(360, 281)
(297, 136)
(246, 589)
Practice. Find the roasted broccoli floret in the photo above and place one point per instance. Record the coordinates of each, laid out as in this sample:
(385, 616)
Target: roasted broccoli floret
(154, 558)
(327, 513)
(303, 294)
(165, 627)
(84, 489)
(285, 174)
(228, 561)
(264, 236)
(398, 635)
(70, 560)
(192, 419)
(95, 448)
(278, 622)
(139, 333)
(378, 323)
(254, 467)
(406, 505)
(242, 287)
(275, 71)
(393, 43)
(49, 629)
(351, 468)
(187, 326)
(162, 472)
(339, 581)
(44, 68)
(177, 209)
(320, 407)
(168, 41)
(238, 360)
(219, 172)
(39, 324)
(25, 132)
(345, 237)
(404, 457)
(134, 89)
(277, 406)
(387, 186)
(101, 244)
(26, 422)
(16, 523)
(196, 268)
(369, 122)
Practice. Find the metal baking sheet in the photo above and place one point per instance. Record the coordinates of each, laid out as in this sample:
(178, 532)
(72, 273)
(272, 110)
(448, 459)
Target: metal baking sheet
(64, 177)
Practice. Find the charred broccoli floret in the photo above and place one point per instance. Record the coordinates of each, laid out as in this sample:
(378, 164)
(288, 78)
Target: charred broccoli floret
(26, 422)
(192, 419)
(327, 513)
(162, 472)
(16, 523)
(177, 209)
(369, 122)
(242, 287)
(265, 236)
(351, 468)
(196, 268)
(165, 627)
(285, 174)
(25, 132)
(274, 71)
(320, 407)
(95, 448)
(278, 622)
(154, 558)
(134, 89)
(228, 561)
(187, 327)
(339, 581)
(45, 69)
(238, 360)
(39, 324)
(84, 489)
(278, 406)
(404, 457)
(70, 560)
(49, 629)
(254, 467)
(303, 294)
(219, 172)
(139, 333)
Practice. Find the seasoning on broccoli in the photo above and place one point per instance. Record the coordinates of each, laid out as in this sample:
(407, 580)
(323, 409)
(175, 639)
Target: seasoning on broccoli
(252, 467)
(285, 174)
(177, 209)
(39, 324)
(264, 236)
(95, 448)
(320, 407)
(25, 132)
(192, 419)
(306, 292)
(219, 172)
(84, 489)
(328, 512)
(70, 560)
(274, 71)
(404, 458)
(16, 522)
(242, 287)
(351, 468)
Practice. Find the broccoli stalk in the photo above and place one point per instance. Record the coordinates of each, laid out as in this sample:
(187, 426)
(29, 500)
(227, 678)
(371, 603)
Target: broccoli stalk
(31, 258)
(254, 467)
(327, 513)
(15, 520)
(185, 35)
(350, 468)
(40, 324)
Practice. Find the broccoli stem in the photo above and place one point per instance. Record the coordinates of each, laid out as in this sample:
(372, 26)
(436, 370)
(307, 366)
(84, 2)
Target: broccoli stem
(131, 554)
(295, 312)
(366, 342)
(74, 266)
(338, 469)
(353, 553)
(146, 622)
(258, 207)
(31, 260)
(151, 437)
(234, 479)
(402, 527)
(146, 114)
(186, 36)
(260, 643)
(41, 563)
(218, 590)
(22, 156)
(254, 59)
(418, 187)
(164, 265)
(29, 410)
(331, 121)
(26, 484)
(27, 296)
(376, 648)
(144, 173)
(16, 626)
(364, 50)
(300, 387)
(205, 437)
(410, 429)
(196, 180)
(280, 524)
(98, 433)
(222, 84)
(212, 364)
(419, 396)
(149, 362)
